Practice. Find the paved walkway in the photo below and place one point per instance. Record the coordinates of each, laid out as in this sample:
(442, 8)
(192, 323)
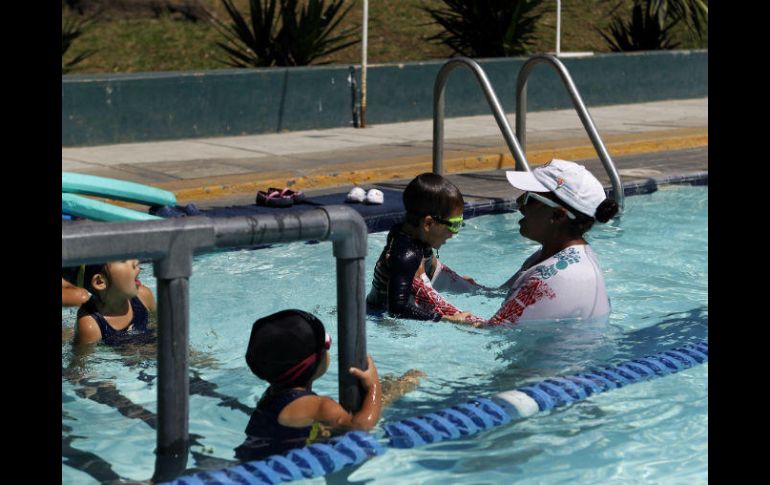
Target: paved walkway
(644, 140)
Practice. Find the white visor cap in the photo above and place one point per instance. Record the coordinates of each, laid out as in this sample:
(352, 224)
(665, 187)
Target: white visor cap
(573, 184)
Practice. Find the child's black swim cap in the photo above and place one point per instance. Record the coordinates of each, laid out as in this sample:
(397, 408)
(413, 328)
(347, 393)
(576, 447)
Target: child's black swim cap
(285, 348)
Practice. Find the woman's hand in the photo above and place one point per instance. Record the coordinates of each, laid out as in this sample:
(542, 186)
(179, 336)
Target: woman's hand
(459, 317)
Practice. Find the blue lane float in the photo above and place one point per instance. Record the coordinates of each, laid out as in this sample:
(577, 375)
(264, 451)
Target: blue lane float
(457, 421)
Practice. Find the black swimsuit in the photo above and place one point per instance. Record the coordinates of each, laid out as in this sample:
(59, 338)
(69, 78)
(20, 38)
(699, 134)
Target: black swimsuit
(265, 436)
(135, 332)
(393, 274)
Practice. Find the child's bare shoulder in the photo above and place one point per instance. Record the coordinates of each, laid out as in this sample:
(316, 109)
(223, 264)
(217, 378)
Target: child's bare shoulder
(304, 411)
(87, 329)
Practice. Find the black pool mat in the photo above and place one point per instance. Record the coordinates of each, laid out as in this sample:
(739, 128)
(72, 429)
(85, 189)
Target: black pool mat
(378, 217)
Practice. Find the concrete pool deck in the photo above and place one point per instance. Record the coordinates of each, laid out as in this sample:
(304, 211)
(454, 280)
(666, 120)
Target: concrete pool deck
(654, 140)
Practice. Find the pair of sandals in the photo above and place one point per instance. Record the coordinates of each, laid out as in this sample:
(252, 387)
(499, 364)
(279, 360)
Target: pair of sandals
(284, 197)
(359, 195)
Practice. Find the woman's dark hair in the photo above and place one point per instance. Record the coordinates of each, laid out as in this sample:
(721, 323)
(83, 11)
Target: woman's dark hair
(583, 223)
(430, 194)
(606, 210)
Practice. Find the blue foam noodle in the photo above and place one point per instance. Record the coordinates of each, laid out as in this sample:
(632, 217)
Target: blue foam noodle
(698, 356)
(190, 480)
(589, 386)
(464, 424)
(685, 359)
(263, 470)
(542, 398)
(307, 463)
(402, 436)
(424, 429)
(331, 459)
(285, 468)
(608, 373)
(242, 476)
(494, 410)
(644, 372)
(625, 373)
(349, 448)
(477, 415)
(702, 347)
(559, 395)
(657, 367)
(573, 389)
(672, 364)
(217, 477)
(602, 383)
(367, 442)
(443, 425)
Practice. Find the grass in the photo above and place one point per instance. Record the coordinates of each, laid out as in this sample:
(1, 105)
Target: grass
(398, 32)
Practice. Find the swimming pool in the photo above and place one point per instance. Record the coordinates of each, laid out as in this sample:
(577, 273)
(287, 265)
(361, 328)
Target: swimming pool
(655, 263)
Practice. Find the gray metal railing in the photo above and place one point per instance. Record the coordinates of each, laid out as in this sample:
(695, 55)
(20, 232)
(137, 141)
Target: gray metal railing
(577, 101)
(171, 243)
(438, 113)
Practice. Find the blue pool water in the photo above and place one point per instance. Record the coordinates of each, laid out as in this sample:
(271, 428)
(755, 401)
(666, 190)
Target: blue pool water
(656, 271)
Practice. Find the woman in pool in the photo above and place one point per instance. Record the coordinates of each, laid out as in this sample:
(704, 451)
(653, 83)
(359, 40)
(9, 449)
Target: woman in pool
(562, 279)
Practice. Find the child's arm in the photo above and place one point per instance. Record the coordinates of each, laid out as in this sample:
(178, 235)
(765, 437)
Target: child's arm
(425, 294)
(311, 409)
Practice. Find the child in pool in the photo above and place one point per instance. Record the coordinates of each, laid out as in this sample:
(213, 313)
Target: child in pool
(407, 268)
(289, 349)
(118, 310)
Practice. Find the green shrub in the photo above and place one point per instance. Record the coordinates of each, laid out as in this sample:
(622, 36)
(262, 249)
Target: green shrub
(72, 27)
(651, 24)
(283, 32)
(487, 28)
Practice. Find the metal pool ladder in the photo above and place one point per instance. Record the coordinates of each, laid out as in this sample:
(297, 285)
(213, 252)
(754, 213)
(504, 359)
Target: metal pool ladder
(516, 143)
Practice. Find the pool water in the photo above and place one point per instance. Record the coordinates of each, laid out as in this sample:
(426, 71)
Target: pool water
(656, 272)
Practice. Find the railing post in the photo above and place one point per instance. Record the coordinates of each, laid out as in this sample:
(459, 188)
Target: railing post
(582, 111)
(172, 274)
(497, 110)
(349, 235)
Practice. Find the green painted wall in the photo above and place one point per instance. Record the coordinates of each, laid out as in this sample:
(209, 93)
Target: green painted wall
(106, 109)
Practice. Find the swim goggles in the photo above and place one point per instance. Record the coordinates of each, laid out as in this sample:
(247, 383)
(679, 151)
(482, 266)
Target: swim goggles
(546, 201)
(453, 224)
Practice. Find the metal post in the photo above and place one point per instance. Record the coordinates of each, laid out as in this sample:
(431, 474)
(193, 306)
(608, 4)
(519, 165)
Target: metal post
(582, 111)
(354, 106)
(558, 29)
(351, 329)
(173, 382)
(438, 113)
(364, 48)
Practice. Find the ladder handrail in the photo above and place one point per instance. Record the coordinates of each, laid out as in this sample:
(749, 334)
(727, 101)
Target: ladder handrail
(438, 113)
(577, 101)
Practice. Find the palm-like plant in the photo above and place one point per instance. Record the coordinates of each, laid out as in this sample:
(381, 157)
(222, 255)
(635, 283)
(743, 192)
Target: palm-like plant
(73, 27)
(487, 28)
(283, 33)
(651, 22)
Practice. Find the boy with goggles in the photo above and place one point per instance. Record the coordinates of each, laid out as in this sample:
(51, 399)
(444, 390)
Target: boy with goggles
(407, 271)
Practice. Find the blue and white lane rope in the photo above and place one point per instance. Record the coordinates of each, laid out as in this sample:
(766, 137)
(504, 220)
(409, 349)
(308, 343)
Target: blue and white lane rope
(457, 421)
